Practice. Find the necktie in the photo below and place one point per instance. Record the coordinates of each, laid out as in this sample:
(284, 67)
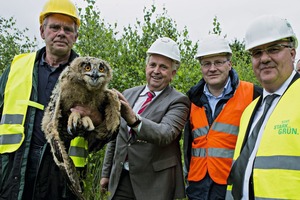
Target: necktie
(236, 176)
(143, 107)
(147, 102)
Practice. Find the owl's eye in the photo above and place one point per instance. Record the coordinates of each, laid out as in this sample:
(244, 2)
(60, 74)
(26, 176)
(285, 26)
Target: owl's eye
(87, 68)
(101, 68)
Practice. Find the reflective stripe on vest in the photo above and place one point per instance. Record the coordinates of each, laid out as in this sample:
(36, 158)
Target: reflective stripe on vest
(78, 151)
(217, 126)
(276, 173)
(212, 152)
(208, 153)
(16, 101)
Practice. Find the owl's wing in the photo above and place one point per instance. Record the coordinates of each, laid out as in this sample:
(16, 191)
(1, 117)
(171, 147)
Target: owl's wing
(112, 111)
(52, 127)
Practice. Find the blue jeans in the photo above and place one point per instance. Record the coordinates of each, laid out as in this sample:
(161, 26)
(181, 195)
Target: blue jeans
(206, 189)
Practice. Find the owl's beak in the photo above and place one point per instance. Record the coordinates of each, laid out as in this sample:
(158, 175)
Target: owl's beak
(95, 75)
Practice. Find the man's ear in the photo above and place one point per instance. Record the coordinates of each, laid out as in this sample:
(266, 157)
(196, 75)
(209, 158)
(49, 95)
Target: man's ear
(42, 32)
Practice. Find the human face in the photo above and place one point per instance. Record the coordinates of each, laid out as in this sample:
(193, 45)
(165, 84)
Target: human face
(59, 33)
(159, 72)
(215, 71)
(272, 68)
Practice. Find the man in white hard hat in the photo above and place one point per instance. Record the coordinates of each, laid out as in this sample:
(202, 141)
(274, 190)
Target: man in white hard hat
(144, 162)
(26, 163)
(267, 153)
(217, 102)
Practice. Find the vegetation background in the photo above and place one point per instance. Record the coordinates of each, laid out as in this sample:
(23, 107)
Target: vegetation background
(125, 51)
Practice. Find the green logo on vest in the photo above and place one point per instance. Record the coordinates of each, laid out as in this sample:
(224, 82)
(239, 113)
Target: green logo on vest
(285, 129)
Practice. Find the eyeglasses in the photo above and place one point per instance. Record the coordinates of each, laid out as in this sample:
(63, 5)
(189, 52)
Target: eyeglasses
(58, 27)
(216, 63)
(271, 50)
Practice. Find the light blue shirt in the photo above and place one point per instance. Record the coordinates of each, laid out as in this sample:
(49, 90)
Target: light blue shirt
(212, 100)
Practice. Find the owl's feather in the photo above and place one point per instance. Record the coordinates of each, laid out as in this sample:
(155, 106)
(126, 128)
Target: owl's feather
(84, 82)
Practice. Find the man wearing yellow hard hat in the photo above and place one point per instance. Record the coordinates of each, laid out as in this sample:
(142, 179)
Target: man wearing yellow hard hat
(27, 169)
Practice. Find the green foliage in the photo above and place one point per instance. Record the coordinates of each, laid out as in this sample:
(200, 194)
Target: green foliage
(241, 61)
(126, 53)
(95, 37)
(216, 27)
(91, 182)
(12, 42)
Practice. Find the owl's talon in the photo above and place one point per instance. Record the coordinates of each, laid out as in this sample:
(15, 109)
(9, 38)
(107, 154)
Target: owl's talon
(91, 92)
(69, 131)
(74, 126)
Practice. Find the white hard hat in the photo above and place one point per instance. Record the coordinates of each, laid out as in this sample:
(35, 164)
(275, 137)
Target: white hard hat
(213, 44)
(166, 47)
(266, 29)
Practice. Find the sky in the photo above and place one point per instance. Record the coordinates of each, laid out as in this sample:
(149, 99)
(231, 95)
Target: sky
(197, 15)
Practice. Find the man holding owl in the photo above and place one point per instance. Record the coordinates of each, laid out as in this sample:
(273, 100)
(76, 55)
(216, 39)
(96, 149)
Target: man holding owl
(26, 164)
(144, 162)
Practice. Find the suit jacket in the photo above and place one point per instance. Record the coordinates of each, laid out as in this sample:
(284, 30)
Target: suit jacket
(154, 154)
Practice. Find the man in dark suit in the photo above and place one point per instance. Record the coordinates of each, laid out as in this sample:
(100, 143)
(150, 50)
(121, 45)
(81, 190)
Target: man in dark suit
(144, 162)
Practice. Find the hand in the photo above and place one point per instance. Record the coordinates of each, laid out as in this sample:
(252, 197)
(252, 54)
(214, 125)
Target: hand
(94, 114)
(104, 184)
(126, 110)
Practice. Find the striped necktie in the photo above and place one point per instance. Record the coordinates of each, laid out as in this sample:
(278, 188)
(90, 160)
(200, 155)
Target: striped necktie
(147, 102)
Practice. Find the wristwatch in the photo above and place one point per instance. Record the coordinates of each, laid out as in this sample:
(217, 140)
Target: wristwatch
(137, 122)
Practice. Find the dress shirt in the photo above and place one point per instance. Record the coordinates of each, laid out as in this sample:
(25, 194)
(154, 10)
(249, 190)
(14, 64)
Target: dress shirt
(212, 100)
(138, 104)
(258, 114)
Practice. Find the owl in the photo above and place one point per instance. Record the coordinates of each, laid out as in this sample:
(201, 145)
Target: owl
(84, 82)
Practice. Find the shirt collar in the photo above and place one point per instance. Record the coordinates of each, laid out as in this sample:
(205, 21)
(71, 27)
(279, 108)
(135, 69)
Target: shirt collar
(146, 89)
(44, 63)
(226, 90)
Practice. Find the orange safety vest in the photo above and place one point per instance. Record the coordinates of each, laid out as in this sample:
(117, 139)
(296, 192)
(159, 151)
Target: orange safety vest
(213, 147)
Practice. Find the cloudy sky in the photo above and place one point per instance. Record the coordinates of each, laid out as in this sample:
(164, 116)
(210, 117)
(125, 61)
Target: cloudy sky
(197, 15)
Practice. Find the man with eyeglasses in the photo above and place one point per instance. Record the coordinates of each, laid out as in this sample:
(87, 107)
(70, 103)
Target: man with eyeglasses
(27, 168)
(267, 153)
(210, 134)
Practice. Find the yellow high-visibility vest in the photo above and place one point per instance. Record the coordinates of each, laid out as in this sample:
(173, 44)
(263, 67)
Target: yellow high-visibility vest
(78, 151)
(16, 101)
(276, 171)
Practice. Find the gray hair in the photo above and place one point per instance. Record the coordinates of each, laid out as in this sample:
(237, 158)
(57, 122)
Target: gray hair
(175, 64)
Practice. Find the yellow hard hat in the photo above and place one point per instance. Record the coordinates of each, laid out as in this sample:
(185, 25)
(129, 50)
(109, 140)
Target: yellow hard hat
(65, 7)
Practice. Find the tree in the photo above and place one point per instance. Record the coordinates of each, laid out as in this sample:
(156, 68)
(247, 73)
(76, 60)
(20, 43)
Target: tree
(126, 52)
(241, 61)
(13, 41)
(127, 55)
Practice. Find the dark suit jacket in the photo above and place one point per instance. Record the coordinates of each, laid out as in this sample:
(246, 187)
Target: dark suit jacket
(154, 154)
